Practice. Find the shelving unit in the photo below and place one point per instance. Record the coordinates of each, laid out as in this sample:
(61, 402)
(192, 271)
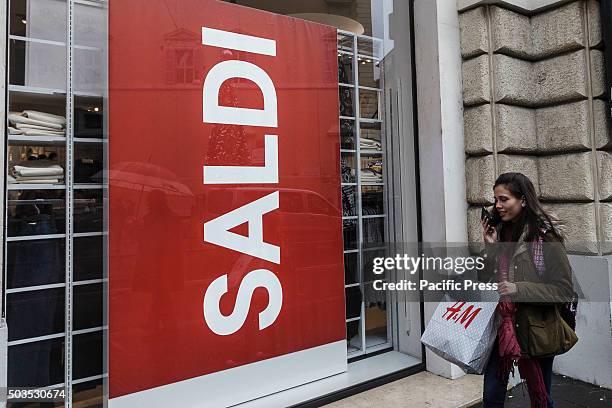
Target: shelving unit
(360, 115)
(40, 269)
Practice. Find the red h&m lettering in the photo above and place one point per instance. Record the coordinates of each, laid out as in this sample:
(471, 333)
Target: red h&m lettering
(465, 318)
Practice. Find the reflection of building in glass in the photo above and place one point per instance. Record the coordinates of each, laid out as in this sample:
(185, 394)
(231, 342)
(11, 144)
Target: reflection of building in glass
(183, 63)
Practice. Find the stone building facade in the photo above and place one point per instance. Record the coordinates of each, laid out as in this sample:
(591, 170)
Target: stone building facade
(533, 89)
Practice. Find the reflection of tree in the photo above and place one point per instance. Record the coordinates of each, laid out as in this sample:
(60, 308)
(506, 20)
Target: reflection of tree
(227, 143)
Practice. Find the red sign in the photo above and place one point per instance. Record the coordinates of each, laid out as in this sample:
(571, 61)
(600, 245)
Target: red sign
(225, 216)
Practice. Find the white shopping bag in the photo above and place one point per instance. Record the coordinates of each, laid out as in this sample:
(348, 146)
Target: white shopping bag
(463, 332)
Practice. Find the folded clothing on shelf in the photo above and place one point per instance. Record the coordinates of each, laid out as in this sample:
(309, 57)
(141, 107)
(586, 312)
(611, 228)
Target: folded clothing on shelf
(370, 176)
(46, 117)
(38, 173)
(365, 143)
(34, 123)
(14, 131)
(27, 180)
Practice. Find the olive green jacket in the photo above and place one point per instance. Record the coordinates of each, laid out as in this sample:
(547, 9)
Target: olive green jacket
(539, 328)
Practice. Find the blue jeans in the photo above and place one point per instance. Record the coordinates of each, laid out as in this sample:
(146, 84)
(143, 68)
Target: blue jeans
(494, 390)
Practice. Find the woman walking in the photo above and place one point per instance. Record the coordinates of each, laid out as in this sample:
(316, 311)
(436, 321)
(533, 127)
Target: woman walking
(526, 256)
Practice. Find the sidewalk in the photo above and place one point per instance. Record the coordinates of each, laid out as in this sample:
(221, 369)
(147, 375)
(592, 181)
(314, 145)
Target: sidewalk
(566, 392)
(429, 390)
(419, 390)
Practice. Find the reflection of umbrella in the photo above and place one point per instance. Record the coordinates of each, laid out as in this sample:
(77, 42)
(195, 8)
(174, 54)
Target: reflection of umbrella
(145, 176)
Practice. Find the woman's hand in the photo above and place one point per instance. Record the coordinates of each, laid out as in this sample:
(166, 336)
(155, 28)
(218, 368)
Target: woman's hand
(488, 232)
(506, 288)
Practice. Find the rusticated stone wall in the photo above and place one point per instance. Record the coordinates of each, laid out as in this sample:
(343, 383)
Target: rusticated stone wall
(533, 90)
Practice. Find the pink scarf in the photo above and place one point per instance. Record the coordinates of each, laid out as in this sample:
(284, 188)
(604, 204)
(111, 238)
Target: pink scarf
(509, 349)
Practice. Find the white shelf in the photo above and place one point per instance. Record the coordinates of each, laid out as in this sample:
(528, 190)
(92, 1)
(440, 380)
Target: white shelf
(36, 90)
(366, 120)
(17, 186)
(53, 43)
(23, 140)
(369, 88)
(89, 140)
(34, 237)
(378, 248)
(83, 186)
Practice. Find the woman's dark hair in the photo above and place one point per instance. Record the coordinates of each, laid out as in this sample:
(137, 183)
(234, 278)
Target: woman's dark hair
(533, 214)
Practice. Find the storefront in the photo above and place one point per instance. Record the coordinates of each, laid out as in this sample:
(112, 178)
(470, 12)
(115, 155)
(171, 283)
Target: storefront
(161, 154)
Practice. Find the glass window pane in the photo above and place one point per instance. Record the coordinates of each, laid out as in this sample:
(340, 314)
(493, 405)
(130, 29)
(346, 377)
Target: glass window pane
(351, 268)
(345, 69)
(345, 42)
(88, 258)
(88, 162)
(371, 168)
(42, 19)
(88, 117)
(37, 119)
(370, 138)
(372, 200)
(36, 163)
(350, 234)
(349, 201)
(353, 336)
(347, 134)
(368, 265)
(87, 354)
(373, 232)
(36, 262)
(37, 65)
(353, 302)
(375, 316)
(36, 212)
(90, 23)
(369, 72)
(36, 364)
(347, 167)
(88, 304)
(369, 107)
(346, 96)
(369, 47)
(88, 72)
(35, 313)
(88, 210)
(88, 394)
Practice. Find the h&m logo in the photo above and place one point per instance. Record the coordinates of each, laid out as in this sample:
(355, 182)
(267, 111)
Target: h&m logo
(463, 317)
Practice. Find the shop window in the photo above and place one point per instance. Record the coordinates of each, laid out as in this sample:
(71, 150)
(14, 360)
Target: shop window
(52, 155)
(363, 190)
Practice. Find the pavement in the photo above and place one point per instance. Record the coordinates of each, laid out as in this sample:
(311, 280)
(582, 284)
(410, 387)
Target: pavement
(423, 389)
(566, 392)
(431, 391)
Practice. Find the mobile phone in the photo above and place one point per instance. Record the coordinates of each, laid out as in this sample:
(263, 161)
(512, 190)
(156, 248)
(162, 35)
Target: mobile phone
(485, 215)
